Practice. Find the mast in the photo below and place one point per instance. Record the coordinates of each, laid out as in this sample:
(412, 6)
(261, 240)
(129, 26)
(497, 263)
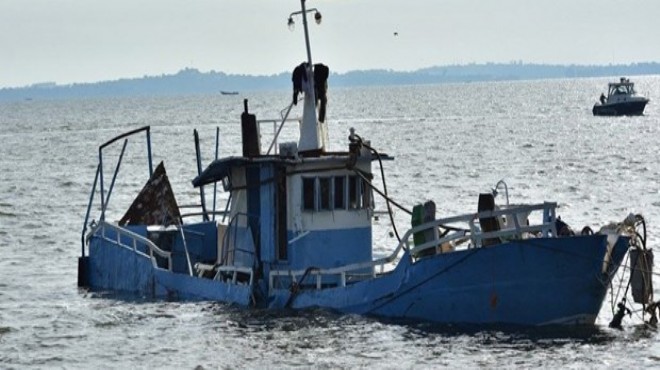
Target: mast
(311, 137)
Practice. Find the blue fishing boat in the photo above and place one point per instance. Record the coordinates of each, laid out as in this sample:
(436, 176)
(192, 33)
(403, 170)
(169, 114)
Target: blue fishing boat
(296, 233)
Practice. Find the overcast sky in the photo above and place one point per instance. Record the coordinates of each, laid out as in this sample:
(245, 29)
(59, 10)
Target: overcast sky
(68, 41)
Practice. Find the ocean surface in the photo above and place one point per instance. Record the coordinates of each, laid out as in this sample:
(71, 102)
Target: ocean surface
(450, 142)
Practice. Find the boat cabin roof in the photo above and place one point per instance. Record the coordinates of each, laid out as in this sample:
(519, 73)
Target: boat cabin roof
(622, 82)
(220, 168)
(624, 86)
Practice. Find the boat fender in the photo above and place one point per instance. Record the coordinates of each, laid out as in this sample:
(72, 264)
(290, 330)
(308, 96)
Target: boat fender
(416, 219)
(83, 271)
(641, 267)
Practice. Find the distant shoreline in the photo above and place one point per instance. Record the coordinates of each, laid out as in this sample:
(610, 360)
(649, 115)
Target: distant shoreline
(192, 81)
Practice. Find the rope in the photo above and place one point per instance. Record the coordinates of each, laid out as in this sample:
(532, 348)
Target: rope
(387, 198)
(295, 286)
(639, 242)
(638, 221)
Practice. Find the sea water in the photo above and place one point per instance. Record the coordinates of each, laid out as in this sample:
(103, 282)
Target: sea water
(450, 143)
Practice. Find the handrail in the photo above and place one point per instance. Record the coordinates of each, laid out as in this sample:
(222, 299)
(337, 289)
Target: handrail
(343, 270)
(230, 236)
(201, 268)
(125, 134)
(120, 231)
(153, 248)
(192, 214)
(277, 134)
(235, 270)
(116, 138)
(185, 248)
(546, 227)
(89, 208)
(506, 190)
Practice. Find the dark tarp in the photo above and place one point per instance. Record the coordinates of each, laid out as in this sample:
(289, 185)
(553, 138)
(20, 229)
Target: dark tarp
(155, 205)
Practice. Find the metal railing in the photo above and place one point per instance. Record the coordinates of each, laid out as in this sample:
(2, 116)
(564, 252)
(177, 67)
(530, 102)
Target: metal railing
(98, 179)
(277, 130)
(343, 272)
(230, 239)
(476, 236)
(234, 271)
(455, 235)
(120, 234)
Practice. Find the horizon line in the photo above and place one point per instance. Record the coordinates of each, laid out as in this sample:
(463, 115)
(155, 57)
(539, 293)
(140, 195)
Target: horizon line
(389, 70)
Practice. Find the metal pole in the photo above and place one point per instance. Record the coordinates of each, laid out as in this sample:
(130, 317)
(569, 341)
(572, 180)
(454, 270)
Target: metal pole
(185, 248)
(215, 184)
(310, 72)
(304, 15)
(114, 176)
(151, 166)
(199, 172)
(89, 208)
(101, 185)
(277, 134)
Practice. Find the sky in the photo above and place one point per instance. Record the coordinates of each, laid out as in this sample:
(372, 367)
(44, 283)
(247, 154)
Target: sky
(78, 41)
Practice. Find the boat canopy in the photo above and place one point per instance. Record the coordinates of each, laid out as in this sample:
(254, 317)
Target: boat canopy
(623, 87)
(218, 170)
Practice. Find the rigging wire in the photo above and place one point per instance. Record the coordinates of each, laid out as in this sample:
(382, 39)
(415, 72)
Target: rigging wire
(388, 200)
(357, 139)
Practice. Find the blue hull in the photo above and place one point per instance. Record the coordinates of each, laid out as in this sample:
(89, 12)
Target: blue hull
(533, 282)
(117, 268)
(530, 282)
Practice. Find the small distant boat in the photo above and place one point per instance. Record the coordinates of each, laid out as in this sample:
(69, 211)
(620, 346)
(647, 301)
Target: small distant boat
(296, 233)
(621, 100)
(229, 92)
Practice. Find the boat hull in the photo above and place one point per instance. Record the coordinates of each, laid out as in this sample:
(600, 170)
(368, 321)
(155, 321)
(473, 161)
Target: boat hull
(529, 282)
(532, 282)
(630, 108)
(112, 267)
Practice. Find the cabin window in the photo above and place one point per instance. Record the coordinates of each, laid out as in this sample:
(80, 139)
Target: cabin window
(325, 193)
(309, 193)
(340, 192)
(367, 195)
(354, 192)
(337, 192)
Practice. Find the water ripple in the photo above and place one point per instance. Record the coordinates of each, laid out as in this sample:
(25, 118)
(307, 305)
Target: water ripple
(448, 148)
